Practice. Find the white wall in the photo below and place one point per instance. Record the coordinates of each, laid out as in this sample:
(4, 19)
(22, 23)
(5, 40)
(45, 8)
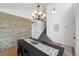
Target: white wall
(19, 12)
(77, 29)
(63, 17)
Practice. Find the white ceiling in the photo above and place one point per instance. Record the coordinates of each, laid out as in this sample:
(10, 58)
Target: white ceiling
(26, 6)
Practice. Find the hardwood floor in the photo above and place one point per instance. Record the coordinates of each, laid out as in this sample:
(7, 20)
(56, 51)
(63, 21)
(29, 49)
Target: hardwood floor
(9, 52)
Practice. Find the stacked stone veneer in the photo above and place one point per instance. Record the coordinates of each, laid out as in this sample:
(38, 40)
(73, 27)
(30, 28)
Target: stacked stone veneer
(13, 28)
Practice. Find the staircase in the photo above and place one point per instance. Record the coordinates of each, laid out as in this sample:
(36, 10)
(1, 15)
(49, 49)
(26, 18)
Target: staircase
(44, 38)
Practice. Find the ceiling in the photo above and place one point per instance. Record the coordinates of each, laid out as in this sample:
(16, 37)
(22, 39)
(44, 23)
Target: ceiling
(26, 6)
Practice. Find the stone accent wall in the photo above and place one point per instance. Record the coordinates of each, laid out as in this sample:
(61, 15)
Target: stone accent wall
(13, 28)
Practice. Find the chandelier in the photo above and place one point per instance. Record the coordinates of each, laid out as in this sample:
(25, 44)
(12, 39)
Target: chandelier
(39, 14)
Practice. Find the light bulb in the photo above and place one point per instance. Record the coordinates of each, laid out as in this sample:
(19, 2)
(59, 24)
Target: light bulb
(54, 11)
(44, 15)
(40, 12)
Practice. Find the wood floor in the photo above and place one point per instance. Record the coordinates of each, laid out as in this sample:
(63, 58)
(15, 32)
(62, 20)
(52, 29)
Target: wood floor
(13, 52)
(9, 52)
